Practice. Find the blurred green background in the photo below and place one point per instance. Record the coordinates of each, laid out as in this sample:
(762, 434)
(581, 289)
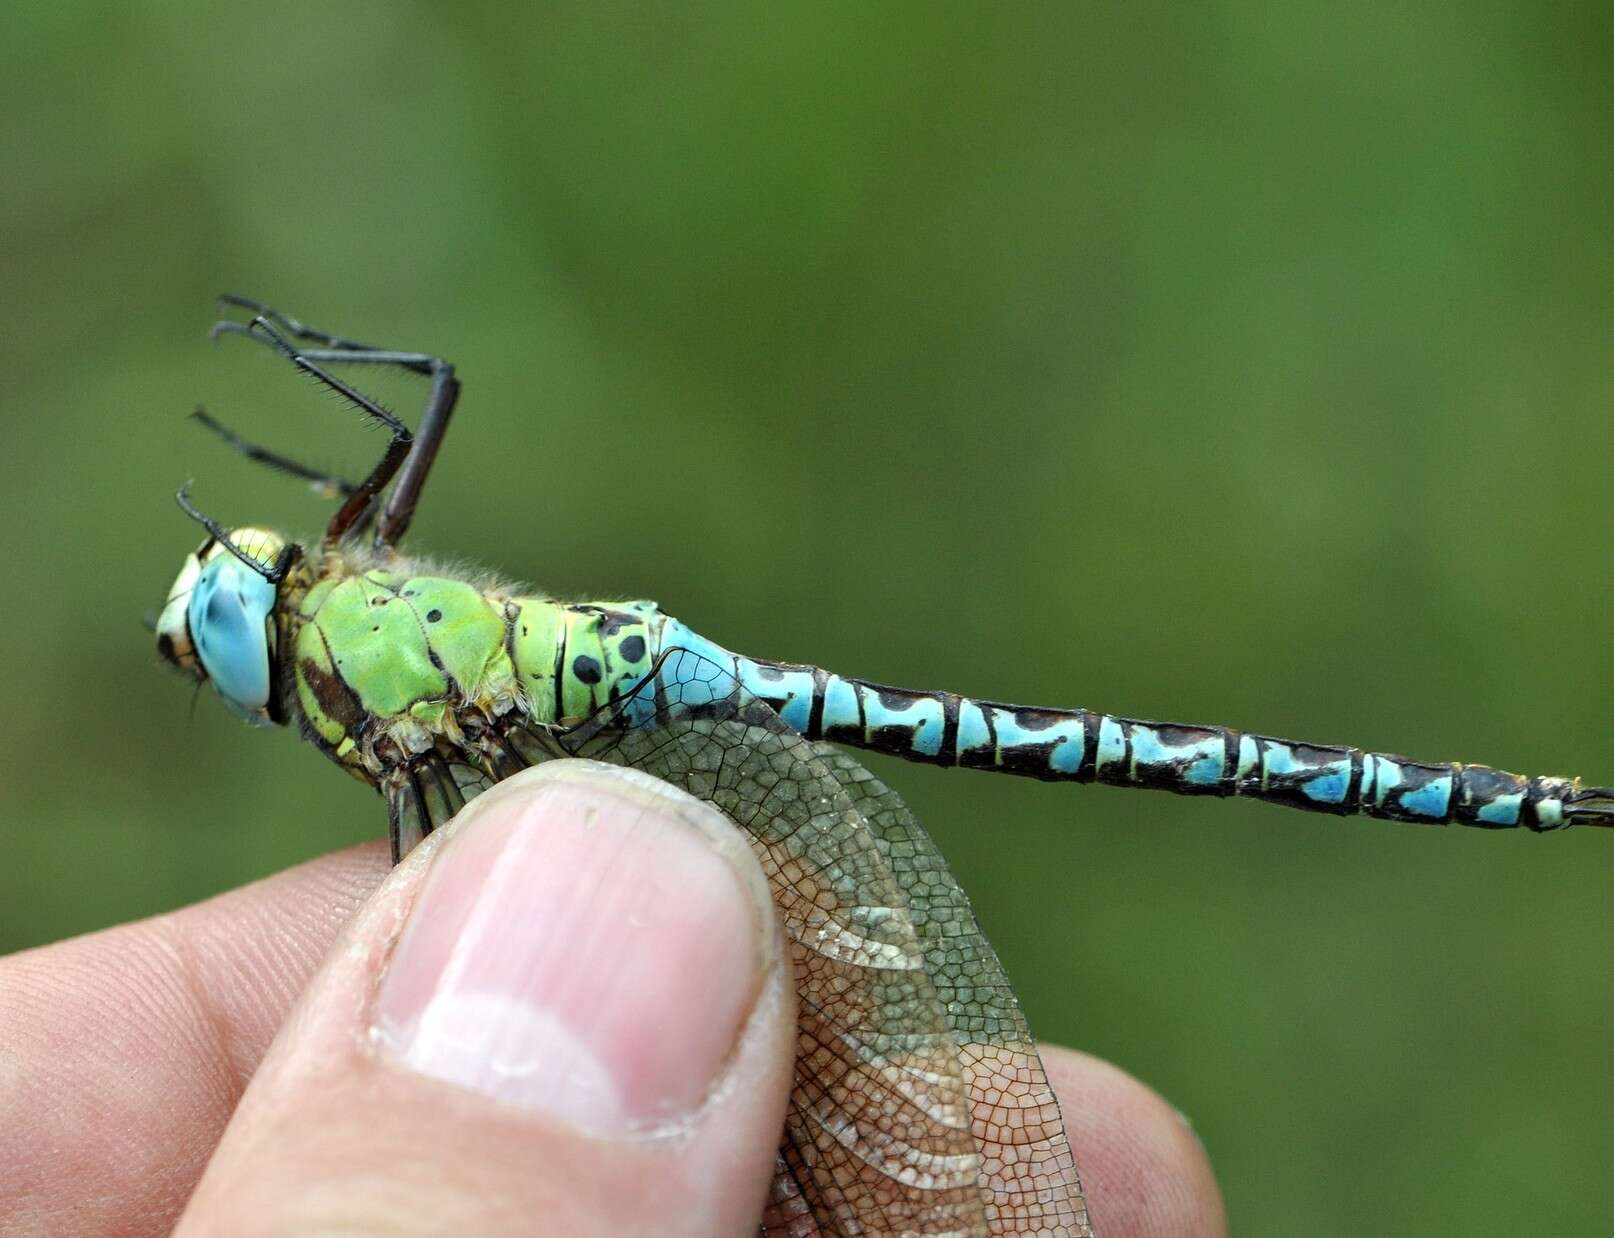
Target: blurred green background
(1245, 363)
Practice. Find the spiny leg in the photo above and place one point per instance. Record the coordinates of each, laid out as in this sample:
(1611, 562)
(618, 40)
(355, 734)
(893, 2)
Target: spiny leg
(416, 362)
(445, 390)
(273, 574)
(297, 329)
(327, 485)
(354, 508)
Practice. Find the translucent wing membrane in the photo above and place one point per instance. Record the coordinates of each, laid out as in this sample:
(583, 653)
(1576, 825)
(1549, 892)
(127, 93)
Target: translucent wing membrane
(429, 793)
(1027, 1171)
(920, 1105)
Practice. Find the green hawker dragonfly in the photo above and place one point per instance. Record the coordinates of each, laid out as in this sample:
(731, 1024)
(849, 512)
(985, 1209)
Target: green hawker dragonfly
(920, 1104)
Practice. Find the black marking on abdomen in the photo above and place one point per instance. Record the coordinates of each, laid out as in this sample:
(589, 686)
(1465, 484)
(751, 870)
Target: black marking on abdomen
(1033, 759)
(1479, 787)
(815, 711)
(1290, 786)
(948, 754)
(1185, 745)
(1182, 758)
(1231, 741)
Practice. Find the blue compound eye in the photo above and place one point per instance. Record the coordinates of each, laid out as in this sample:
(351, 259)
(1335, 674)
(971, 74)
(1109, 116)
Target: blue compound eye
(229, 611)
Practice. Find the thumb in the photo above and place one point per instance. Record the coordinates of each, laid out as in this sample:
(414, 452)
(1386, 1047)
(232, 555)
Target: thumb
(566, 1012)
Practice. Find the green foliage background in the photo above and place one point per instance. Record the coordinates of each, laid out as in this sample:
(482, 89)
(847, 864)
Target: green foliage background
(1243, 362)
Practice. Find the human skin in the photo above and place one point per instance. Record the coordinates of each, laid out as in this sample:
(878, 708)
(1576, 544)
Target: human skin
(310, 1053)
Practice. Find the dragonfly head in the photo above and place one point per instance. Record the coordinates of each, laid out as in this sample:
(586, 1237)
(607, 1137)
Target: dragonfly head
(219, 621)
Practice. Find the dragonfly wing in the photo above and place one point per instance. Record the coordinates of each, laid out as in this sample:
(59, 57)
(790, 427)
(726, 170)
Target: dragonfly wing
(904, 1117)
(426, 794)
(1028, 1172)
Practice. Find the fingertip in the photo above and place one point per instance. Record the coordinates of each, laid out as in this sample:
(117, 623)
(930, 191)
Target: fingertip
(124, 1051)
(572, 1002)
(589, 944)
(1144, 1170)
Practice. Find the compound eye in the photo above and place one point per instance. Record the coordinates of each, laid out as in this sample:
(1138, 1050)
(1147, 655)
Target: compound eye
(229, 611)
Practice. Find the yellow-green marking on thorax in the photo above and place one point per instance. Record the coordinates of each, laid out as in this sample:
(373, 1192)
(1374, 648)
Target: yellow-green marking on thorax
(387, 649)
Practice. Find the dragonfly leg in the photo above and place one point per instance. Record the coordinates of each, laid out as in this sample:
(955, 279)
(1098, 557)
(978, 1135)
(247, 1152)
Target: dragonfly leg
(344, 354)
(400, 509)
(358, 503)
(296, 329)
(267, 328)
(328, 485)
(274, 575)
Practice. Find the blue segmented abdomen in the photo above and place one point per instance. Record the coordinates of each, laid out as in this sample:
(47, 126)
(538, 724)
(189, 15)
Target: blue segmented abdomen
(1083, 746)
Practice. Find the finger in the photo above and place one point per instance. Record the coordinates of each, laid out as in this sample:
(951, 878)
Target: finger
(123, 1053)
(566, 1013)
(1145, 1173)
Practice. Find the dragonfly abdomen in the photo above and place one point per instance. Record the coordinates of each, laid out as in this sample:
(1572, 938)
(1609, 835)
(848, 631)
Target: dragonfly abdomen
(1080, 745)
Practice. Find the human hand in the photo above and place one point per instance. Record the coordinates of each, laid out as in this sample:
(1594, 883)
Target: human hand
(391, 1092)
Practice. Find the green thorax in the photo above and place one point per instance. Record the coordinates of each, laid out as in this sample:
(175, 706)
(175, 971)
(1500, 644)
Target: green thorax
(387, 663)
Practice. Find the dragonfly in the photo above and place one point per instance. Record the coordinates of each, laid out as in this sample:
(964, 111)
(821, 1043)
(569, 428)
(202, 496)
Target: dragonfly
(919, 1103)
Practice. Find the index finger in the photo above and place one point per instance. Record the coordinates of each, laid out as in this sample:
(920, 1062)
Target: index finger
(123, 1053)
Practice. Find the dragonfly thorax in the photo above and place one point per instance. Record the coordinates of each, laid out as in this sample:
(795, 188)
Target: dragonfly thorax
(218, 622)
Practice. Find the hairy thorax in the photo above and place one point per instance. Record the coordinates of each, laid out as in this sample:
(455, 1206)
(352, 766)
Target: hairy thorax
(395, 659)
